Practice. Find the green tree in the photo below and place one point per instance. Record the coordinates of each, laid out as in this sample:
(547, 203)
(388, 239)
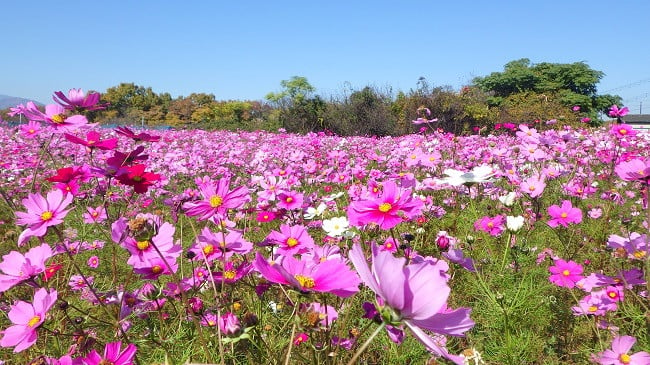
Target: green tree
(567, 83)
(295, 90)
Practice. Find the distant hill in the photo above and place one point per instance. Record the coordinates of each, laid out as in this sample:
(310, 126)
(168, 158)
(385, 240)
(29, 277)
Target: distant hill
(7, 101)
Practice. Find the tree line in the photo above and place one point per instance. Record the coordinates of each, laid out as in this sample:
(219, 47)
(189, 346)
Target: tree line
(522, 92)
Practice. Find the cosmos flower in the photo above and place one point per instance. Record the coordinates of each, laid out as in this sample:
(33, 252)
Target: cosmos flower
(113, 354)
(17, 267)
(42, 212)
(565, 274)
(619, 354)
(393, 206)
(412, 294)
(78, 100)
(330, 276)
(26, 318)
(564, 215)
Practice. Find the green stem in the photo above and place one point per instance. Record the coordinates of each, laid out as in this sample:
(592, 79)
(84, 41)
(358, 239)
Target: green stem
(366, 344)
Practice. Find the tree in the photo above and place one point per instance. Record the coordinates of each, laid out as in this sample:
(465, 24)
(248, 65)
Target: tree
(569, 84)
(294, 90)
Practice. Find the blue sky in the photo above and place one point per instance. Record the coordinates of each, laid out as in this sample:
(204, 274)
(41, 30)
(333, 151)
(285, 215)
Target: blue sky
(243, 49)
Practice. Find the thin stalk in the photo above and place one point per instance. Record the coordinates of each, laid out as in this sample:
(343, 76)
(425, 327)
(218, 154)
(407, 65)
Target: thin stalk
(366, 344)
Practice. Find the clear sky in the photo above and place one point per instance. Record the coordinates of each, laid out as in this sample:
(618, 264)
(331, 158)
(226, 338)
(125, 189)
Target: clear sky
(241, 49)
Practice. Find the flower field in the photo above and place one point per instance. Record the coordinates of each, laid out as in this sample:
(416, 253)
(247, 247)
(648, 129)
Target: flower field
(124, 246)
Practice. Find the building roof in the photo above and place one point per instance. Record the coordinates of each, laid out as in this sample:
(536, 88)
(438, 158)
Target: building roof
(636, 118)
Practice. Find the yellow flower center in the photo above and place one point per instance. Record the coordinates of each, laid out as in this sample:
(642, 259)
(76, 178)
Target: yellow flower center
(566, 272)
(490, 225)
(563, 215)
(291, 242)
(531, 187)
(216, 201)
(31, 131)
(625, 358)
(592, 308)
(208, 249)
(385, 207)
(156, 269)
(58, 118)
(622, 131)
(639, 254)
(34, 321)
(229, 274)
(612, 294)
(137, 178)
(46, 215)
(105, 362)
(305, 281)
(143, 245)
(288, 199)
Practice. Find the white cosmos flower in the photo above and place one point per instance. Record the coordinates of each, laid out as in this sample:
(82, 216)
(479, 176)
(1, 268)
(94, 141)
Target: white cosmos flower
(514, 223)
(509, 199)
(315, 212)
(478, 174)
(336, 226)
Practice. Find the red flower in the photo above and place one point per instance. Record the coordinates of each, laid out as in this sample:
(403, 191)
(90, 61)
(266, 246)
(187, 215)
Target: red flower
(136, 176)
(50, 271)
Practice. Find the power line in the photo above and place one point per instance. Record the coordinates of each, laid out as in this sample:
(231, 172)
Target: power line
(636, 83)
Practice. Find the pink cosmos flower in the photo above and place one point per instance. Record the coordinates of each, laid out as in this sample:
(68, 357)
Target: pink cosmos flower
(93, 141)
(93, 262)
(31, 129)
(565, 274)
(393, 206)
(415, 295)
(492, 225)
(619, 354)
(18, 268)
(292, 240)
(142, 136)
(78, 100)
(95, 215)
(217, 199)
(42, 213)
(330, 276)
(634, 170)
(55, 115)
(615, 112)
(214, 245)
(564, 215)
(113, 354)
(290, 200)
(622, 130)
(26, 318)
(533, 186)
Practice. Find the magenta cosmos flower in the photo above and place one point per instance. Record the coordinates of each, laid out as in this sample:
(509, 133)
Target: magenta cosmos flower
(93, 140)
(292, 240)
(619, 354)
(113, 354)
(565, 274)
(217, 199)
(393, 206)
(622, 130)
(616, 112)
(77, 99)
(26, 319)
(42, 213)
(564, 215)
(492, 225)
(18, 268)
(330, 276)
(415, 295)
